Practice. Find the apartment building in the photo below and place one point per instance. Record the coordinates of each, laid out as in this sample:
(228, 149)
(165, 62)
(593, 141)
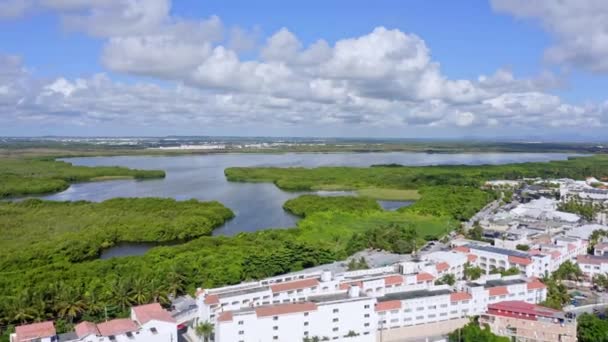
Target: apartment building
(592, 265)
(541, 260)
(523, 321)
(148, 323)
(354, 306)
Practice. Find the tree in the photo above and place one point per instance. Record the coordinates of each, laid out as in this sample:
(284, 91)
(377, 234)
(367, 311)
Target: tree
(473, 332)
(600, 280)
(557, 293)
(140, 291)
(448, 279)
(568, 270)
(592, 329)
(204, 330)
(472, 272)
(524, 248)
(70, 304)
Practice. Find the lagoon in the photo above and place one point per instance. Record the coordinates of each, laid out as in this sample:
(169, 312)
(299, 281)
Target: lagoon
(256, 205)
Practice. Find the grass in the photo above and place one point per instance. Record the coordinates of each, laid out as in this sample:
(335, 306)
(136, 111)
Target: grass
(333, 229)
(389, 194)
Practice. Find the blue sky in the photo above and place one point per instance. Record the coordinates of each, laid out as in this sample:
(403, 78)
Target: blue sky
(247, 68)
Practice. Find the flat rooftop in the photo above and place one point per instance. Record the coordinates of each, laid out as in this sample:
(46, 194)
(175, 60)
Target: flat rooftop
(412, 294)
(497, 250)
(238, 292)
(502, 282)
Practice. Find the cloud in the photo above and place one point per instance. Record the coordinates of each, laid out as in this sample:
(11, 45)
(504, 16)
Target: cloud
(580, 28)
(385, 78)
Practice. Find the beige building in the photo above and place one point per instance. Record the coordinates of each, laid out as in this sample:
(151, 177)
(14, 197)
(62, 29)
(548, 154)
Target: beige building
(527, 322)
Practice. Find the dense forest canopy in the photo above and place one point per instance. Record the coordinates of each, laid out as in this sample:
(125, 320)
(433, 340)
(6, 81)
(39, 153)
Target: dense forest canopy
(28, 176)
(414, 177)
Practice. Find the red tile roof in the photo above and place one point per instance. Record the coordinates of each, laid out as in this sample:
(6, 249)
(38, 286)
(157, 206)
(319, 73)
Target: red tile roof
(535, 284)
(442, 266)
(601, 246)
(590, 259)
(85, 329)
(117, 327)
(346, 286)
(212, 299)
(462, 249)
(555, 254)
(572, 247)
(423, 276)
(393, 280)
(283, 309)
(458, 296)
(388, 305)
(471, 257)
(152, 312)
(34, 331)
(498, 291)
(507, 308)
(519, 260)
(225, 316)
(294, 285)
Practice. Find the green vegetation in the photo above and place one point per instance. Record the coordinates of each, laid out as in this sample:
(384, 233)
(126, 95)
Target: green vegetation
(389, 194)
(308, 204)
(448, 279)
(584, 210)
(35, 232)
(472, 272)
(591, 328)
(458, 202)
(568, 271)
(521, 247)
(557, 293)
(21, 176)
(472, 332)
(360, 264)
(415, 177)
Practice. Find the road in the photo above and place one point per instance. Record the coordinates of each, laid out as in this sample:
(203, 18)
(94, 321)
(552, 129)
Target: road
(483, 213)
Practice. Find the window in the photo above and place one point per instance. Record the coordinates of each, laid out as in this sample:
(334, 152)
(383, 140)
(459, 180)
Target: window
(241, 332)
(306, 333)
(366, 315)
(366, 306)
(265, 297)
(335, 320)
(407, 310)
(432, 307)
(154, 331)
(240, 322)
(443, 314)
(454, 311)
(305, 324)
(275, 318)
(305, 314)
(335, 329)
(419, 317)
(432, 316)
(394, 320)
(420, 308)
(366, 324)
(275, 337)
(300, 291)
(406, 319)
(235, 302)
(444, 305)
(130, 335)
(336, 310)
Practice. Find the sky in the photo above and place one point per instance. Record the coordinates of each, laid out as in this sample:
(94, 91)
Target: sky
(493, 69)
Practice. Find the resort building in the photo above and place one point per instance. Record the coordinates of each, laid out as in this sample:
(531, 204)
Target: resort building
(43, 332)
(592, 265)
(356, 305)
(148, 323)
(523, 321)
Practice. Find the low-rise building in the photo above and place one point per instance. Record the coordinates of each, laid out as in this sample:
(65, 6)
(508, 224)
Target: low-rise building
(523, 321)
(43, 332)
(592, 265)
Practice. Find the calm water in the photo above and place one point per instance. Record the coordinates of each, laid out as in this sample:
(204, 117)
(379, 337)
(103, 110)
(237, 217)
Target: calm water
(256, 205)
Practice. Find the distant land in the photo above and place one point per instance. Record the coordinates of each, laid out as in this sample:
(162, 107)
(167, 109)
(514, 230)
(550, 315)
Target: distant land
(87, 146)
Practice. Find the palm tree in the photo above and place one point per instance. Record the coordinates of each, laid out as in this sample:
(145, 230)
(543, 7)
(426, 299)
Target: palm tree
(158, 292)
(70, 304)
(175, 281)
(121, 293)
(140, 292)
(204, 330)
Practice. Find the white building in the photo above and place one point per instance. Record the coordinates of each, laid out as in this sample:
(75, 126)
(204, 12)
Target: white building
(592, 265)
